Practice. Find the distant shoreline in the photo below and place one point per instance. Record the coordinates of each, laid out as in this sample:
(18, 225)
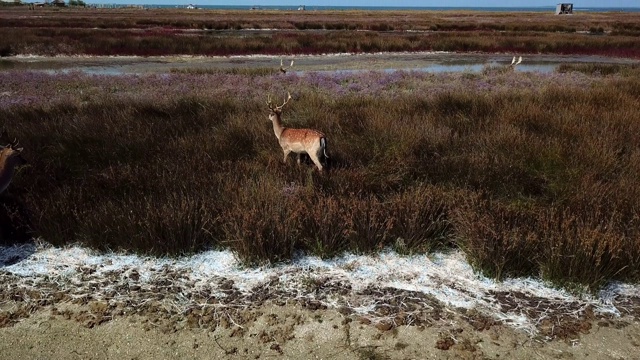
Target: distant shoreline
(369, 8)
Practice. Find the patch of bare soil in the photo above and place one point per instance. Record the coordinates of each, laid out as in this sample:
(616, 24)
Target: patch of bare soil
(119, 317)
(290, 331)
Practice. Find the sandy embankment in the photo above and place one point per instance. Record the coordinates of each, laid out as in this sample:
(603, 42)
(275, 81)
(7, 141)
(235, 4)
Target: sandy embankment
(71, 303)
(290, 331)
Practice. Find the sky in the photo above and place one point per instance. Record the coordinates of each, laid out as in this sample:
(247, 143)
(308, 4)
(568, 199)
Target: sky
(354, 3)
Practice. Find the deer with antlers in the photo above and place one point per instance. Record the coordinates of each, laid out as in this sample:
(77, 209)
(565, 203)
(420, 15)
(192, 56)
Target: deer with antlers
(299, 141)
(10, 157)
(283, 69)
(502, 69)
(514, 63)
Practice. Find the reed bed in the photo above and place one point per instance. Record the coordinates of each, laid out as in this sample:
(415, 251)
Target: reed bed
(415, 20)
(160, 42)
(173, 31)
(528, 174)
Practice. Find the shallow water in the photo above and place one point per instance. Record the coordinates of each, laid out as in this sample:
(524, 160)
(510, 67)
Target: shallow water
(543, 68)
(427, 62)
(432, 68)
(468, 68)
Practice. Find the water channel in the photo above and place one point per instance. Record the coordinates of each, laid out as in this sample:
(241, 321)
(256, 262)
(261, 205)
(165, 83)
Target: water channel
(426, 62)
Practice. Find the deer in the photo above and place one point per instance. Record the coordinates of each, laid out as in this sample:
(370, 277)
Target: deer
(513, 64)
(10, 157)
(283, 69)
(300, 141)
(502, 69)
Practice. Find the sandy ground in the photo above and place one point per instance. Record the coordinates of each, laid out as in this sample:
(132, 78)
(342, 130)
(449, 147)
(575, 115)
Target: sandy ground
(65, 304)
(291, 332)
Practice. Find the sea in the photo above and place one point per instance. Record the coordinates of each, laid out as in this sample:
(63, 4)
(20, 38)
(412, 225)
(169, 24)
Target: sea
(383, 8)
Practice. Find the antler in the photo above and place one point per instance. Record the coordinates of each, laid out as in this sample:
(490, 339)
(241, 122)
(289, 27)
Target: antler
(269, 103)
(514, 63)
(277, 108)
(282, 68)
(14, 144)
(285, 100)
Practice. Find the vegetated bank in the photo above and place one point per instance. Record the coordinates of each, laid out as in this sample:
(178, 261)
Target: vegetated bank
(529, 174)
(54, 31)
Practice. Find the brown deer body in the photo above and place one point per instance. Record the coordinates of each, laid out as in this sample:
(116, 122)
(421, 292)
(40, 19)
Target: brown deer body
(299, 141)
(10, 157)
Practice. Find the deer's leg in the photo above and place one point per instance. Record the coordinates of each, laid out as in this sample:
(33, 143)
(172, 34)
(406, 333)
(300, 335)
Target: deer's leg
(286, 153)
(314, 158)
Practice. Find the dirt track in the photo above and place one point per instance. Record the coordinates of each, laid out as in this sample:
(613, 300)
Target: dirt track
(116, 315)
(291, 332)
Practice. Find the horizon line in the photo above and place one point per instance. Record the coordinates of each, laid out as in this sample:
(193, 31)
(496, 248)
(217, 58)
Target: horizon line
(188, 2)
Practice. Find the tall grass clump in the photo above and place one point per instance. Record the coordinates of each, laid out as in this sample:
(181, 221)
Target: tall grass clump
(421, 220)
(325, 226)
(528, 174)
(499, 240)
(261, 224)
(588, 250)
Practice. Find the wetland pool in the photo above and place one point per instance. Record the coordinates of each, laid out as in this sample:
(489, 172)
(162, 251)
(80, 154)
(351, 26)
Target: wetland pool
(426, 62)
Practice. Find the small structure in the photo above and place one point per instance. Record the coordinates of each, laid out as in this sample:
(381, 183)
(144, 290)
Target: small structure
(301, 8)
(564, 9)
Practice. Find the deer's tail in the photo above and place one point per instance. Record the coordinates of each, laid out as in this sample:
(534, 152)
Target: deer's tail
(323, 145)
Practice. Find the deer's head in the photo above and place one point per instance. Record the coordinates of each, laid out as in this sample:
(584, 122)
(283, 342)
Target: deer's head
(284, 69)
(514, 63)
(12, 154)
(274, 110)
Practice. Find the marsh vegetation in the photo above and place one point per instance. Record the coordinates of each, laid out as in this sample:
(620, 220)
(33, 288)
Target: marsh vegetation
(202, 32)
(527, 173)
